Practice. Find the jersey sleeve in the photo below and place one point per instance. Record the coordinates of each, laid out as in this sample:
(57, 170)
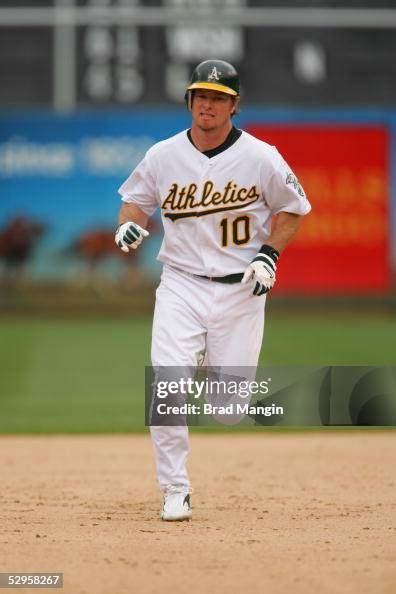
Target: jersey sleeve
(283, 191)
(140, 187)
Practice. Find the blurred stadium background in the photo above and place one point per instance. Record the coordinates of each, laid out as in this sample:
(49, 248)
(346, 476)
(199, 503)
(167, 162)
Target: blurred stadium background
(86, 87)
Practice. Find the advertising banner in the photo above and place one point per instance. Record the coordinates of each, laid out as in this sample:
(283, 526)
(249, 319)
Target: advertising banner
(343, 244)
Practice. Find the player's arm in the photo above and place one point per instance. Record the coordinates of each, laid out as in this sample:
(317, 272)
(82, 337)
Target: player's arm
(286, 225)
(131, 212)
(131, 227)
(262, 268)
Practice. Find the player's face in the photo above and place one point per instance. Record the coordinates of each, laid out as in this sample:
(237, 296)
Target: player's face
(211, 109)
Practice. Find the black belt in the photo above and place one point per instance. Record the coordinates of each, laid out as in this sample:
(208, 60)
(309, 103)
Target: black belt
(230, 279)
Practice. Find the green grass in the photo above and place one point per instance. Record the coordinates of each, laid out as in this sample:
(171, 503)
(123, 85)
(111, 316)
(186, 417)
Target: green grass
(334, 339)
(75, 375)
(72, 375)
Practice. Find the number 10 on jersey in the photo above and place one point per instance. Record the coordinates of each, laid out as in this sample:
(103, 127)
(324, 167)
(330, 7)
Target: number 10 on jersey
(236, 231)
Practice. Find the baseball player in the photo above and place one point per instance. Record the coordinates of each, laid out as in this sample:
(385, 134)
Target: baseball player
(218, 189)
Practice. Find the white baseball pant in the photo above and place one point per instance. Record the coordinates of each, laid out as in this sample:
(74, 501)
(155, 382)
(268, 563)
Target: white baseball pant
(193, 315)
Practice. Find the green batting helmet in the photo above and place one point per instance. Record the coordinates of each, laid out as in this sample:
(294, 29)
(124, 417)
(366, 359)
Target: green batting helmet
(215, 75)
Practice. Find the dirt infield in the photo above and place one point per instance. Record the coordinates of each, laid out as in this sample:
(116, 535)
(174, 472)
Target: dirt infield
(273, 512)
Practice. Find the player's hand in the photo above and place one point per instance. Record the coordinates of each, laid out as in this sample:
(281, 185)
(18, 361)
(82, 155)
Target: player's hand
(129, 235)
(262, 269)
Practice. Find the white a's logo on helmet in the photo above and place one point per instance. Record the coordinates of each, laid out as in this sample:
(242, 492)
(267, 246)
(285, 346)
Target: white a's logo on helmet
(214, 75)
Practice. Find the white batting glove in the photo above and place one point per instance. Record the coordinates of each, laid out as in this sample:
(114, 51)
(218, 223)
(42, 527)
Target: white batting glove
(262, 269)
(129, 235)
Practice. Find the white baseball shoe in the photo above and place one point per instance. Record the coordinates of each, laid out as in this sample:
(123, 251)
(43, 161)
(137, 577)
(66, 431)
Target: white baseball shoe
(176, 504)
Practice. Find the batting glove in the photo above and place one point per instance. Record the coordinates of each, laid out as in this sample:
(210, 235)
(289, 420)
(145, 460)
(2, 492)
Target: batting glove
(262, 269)
(129, 235)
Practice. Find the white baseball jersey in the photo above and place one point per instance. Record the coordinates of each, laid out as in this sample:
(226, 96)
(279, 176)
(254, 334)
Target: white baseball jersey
(217, 211)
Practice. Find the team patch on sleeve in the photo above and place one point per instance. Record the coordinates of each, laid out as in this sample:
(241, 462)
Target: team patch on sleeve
(292, 180)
